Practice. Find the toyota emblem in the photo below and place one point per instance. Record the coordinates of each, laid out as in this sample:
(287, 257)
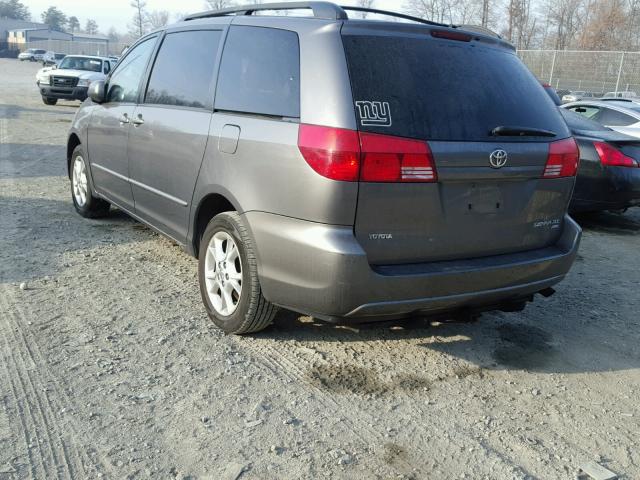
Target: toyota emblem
(498, 159)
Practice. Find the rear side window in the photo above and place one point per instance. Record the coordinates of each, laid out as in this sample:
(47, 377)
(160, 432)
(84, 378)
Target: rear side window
(260, 72)
(183, 71)
(436, 89)
(614, 118)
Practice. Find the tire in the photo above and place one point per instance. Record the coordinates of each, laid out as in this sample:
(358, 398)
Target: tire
(249, 311)
(49, 100)
(81, 188)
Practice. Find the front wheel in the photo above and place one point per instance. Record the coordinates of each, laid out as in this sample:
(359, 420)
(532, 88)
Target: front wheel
(228, 274)
(83, 200)
(49, 100)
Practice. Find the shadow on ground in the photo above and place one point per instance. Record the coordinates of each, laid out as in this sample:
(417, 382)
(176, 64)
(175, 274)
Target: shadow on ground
(612, 223)
(52, 229)
(23, 160)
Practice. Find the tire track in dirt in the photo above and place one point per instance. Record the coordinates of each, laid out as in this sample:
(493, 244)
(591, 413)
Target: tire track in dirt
(15, 400)
(16, 369)
(67, 460)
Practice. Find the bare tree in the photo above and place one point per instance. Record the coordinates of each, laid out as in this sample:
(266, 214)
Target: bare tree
(220, 4)
(158, 18)
(365, 4)
(138, 26)
(565, 19)
(606, 28)
(91, 27)
(436, 10)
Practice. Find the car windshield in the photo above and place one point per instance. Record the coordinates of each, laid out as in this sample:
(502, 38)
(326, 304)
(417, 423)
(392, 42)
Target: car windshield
(81, 63)
(579, 122)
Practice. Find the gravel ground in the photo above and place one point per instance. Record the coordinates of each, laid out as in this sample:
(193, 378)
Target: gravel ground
(110, 368)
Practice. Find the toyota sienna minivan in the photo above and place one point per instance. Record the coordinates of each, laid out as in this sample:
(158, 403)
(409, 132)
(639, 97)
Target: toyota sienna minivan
(352, 170)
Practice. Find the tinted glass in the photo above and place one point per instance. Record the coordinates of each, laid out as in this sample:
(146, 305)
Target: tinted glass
(260, 72)
(428, 88)
(614, 118)
(183, 71)
(578, 122)
(125, 81)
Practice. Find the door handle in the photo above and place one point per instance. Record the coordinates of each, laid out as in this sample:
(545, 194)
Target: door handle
(124, 119)
(138, 120)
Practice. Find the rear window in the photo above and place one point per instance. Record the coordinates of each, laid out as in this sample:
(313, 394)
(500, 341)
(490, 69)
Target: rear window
(427, 88)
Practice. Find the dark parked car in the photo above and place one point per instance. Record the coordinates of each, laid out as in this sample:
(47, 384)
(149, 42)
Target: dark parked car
(609, 173)
(341, 168)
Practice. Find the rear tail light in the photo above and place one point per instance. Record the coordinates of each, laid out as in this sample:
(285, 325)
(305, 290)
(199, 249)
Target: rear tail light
(350, 156)
(563, 159)
(612, 157)
(393, 159)
(332, 152)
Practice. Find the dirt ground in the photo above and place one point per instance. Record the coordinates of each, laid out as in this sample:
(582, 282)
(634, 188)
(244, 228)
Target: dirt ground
(110, 368)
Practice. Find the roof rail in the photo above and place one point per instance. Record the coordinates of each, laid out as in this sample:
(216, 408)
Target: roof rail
(393, 14)
(325, 10)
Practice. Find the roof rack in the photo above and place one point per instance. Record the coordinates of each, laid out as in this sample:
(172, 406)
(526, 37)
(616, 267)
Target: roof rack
(324, 10)
(393, 14)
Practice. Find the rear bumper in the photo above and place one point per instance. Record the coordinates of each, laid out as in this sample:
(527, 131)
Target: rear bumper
(321, 270)
(75, 93)
(616, 189)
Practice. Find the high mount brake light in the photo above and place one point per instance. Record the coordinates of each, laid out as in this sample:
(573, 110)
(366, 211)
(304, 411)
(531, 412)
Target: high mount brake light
(612, 157)
(447, 35)
(347, 155)
(563, 159)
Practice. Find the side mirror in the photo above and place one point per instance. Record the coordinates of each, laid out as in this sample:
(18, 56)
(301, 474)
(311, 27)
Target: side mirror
(97, 92)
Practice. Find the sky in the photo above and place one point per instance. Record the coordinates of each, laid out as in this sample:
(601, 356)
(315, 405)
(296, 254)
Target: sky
(118, 13)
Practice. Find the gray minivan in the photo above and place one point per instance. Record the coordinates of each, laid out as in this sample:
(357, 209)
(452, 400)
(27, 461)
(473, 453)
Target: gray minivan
(345, 169)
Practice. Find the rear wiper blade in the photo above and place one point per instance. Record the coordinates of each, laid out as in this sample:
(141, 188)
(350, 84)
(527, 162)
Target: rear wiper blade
(503, 131)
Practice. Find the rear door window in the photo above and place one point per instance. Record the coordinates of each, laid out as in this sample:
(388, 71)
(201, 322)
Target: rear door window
(260, 72)
(414, 85)
(183, 71)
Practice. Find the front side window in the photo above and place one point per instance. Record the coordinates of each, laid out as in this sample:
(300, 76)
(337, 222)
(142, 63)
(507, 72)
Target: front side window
(182, 74)
(260, 72)
(124, 84)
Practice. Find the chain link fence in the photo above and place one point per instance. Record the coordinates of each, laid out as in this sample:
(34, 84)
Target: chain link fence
(77, 47)
(597, 72)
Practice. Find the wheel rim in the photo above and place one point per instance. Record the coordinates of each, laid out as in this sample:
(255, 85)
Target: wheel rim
(223, 273)
(79, 181)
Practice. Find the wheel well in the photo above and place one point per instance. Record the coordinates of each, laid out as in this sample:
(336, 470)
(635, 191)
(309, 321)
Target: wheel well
(73, 142)
(209, 207)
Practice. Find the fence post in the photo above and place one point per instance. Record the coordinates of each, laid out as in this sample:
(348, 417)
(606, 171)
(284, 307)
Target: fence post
(553, 66)
(619, 73)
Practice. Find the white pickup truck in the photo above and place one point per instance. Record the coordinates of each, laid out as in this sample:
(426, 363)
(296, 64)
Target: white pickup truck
(70, 80)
